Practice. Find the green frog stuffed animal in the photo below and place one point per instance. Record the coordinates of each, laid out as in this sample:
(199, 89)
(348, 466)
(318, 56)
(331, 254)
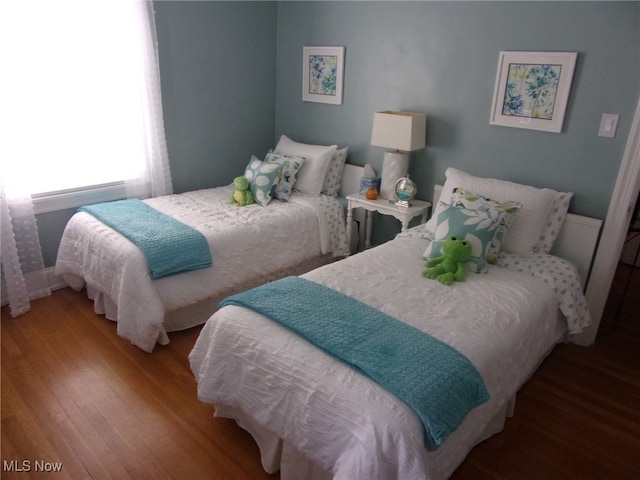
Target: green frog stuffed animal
(242, 195)
(449, 266)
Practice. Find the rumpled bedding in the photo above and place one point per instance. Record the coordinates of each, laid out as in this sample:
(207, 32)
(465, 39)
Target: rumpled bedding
(505, 322)
(560, 274)
(246, 242)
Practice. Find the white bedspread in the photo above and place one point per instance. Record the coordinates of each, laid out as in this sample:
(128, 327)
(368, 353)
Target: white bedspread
(504, 322)
(246, 242)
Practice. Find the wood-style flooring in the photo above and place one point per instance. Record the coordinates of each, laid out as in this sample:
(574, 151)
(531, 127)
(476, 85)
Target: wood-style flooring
(79, 399)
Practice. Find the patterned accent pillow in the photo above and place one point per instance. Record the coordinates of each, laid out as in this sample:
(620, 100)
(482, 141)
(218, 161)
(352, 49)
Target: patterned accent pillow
(263, 177)
(553, 223)
(527, 224)
(501, 212)
(287, 175)
(475, 226)
(334, 174)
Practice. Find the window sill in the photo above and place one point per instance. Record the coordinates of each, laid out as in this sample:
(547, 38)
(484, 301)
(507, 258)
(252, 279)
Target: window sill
(54, 202)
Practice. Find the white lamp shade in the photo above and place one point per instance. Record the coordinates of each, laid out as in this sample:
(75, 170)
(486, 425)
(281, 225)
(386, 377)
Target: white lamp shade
(404, 131)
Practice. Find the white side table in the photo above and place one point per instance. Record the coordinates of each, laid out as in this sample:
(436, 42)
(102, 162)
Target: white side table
(385, 207)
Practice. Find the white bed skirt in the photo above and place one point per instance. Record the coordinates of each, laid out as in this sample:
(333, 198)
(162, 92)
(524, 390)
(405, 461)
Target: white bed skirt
(198, 313)
(276, 454)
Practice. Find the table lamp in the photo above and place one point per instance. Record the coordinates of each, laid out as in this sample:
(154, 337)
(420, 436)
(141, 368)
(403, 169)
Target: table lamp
(401, 132)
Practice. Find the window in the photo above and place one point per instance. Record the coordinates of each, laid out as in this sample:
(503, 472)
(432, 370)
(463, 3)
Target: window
(72, 89)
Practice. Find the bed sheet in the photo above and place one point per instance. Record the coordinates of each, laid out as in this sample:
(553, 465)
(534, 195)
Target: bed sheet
(504, 322)
(246, 242)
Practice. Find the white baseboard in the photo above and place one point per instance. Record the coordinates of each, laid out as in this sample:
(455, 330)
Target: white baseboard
(54, 282)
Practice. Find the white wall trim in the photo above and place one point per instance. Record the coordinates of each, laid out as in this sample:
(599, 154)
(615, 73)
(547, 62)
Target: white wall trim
(54, 281)
(614, 232)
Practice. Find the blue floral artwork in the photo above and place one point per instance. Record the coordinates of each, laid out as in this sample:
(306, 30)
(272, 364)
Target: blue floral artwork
(323, 71)
(531, 90)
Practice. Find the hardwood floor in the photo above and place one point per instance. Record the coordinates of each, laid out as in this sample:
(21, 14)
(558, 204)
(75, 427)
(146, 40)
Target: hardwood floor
(76, 394)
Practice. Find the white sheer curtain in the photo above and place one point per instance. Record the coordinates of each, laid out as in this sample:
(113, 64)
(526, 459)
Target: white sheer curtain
(21, 257)
(156, 175)
(22, 265)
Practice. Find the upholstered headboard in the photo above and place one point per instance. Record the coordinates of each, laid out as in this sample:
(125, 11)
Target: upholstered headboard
(576, 241)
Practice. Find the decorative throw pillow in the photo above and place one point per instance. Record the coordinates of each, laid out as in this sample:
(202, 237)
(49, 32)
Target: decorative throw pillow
(314, 171)
(527, 224)
(263, 177)
(334, 173)
(287, 175)
(501, 212)
(553, 223)
(475, 226)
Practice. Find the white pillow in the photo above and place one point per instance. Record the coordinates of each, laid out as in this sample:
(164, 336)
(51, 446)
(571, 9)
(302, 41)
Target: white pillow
(334, 173)
(314, 170)
(527, 223)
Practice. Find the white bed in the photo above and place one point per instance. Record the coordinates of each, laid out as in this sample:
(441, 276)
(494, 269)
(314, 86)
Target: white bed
(315, 418)
(249, 246)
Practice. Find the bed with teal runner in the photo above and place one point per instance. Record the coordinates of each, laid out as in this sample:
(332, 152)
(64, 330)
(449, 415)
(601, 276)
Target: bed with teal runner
(168, 245)
(440, 384)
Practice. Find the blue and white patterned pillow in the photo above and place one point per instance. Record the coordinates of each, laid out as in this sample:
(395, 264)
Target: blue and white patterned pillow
(287, 176)
(334, 174)
(262, 177)
(501, 212)
(475, 226)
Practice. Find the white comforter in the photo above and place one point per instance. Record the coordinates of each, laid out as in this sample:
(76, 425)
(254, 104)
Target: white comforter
(504, 322)
(246, 242)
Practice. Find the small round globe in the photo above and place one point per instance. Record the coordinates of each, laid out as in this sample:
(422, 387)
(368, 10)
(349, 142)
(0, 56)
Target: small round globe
(405, 189)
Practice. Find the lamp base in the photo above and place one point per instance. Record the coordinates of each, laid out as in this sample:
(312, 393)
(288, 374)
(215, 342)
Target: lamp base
(395, 165)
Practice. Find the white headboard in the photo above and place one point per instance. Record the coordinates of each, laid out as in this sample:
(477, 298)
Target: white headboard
(576, 241)
(350, 179)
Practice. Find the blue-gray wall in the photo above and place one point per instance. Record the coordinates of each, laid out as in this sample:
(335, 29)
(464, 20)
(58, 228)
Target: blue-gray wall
(440, 58)
(231, 84)
(217, 67)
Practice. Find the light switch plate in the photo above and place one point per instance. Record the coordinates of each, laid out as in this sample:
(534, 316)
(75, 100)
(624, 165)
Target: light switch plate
(608, 125)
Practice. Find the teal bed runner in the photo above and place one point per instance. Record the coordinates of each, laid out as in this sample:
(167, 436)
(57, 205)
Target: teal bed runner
(169, 246)
(435, 380)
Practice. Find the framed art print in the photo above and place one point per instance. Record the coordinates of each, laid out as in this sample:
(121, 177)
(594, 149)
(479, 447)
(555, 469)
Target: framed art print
(322, 74)
(532, 89)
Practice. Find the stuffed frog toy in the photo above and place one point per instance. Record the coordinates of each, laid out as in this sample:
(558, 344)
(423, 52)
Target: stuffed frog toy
(450, 266)
(242, 195)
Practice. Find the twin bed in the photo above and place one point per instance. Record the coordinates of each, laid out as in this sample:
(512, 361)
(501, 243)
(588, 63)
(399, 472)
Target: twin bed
(316, 412)
(290, 233)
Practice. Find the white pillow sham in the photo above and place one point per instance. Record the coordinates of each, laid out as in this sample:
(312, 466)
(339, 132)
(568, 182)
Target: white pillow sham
(314, 170)
(527, 223)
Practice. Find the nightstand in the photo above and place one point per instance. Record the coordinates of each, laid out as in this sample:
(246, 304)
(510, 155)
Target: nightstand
(385, 207)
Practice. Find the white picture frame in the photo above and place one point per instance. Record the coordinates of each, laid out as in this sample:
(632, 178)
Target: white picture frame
(532, 89)
(322, 74)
